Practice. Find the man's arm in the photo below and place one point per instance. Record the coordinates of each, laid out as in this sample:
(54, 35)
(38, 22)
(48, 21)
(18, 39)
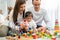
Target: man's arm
(47, 20)
(34, 26)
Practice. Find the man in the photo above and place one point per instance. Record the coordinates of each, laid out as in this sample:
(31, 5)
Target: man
(39, 14)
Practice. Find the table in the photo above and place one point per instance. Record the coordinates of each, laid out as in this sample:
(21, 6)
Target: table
(4, 38)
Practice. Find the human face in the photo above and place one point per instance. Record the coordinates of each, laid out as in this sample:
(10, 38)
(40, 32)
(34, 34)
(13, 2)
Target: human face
(29, 18)
(22, 8)
(36, 4)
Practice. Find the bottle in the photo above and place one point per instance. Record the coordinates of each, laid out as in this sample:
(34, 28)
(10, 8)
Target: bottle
(56, 28)
(53, 38)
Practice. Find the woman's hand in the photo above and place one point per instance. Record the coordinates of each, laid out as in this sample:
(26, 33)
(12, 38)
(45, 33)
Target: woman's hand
(23, 25)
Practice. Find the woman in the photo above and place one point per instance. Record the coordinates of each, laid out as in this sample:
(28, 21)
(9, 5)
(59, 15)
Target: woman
(19, 9)
(18, 14)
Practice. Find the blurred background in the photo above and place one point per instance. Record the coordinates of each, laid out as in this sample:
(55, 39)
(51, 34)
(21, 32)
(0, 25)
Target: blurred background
(52, 7)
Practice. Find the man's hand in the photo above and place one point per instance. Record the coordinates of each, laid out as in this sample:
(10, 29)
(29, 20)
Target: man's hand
(47, 32)
(41, 29)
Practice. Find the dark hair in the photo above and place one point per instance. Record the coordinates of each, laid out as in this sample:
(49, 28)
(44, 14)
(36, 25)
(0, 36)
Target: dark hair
(28, 13)
(16, 10)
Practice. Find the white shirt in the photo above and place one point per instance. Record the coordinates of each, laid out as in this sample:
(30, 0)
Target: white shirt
(38, 17)
(32, 24)
(19, 19)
